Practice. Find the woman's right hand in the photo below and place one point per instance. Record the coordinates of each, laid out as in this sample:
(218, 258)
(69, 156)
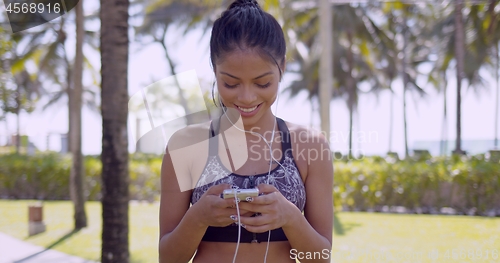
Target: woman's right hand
(216, 211)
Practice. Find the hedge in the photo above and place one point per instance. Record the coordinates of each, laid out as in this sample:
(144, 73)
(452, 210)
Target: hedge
(45, 176)
(461, 183)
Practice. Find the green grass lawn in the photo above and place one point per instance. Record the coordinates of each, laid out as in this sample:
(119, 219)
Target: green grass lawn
(358, 237)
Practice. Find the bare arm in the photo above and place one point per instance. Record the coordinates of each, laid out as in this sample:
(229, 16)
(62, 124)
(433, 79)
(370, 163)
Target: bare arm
(180, 233)
(182, 227)
(313, 233)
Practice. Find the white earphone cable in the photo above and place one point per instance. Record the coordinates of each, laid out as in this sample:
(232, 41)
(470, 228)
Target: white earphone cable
(269, 144)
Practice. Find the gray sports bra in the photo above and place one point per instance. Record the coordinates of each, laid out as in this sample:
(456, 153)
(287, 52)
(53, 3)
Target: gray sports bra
(286, 179)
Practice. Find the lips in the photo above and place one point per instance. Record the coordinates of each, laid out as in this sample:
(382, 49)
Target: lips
(248, 111)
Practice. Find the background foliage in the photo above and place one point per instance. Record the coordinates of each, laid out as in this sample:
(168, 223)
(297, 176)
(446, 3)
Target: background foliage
(462, 183)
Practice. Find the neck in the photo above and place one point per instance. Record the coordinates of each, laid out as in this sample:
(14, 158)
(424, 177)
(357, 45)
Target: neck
(264, 126)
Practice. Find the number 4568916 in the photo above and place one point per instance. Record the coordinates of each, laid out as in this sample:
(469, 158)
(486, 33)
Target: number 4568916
(33, 8)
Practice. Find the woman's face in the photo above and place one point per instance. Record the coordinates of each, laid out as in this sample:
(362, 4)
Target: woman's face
(247, 84)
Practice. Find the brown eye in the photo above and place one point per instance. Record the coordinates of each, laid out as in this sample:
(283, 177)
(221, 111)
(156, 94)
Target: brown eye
(265, 85)
(230, 86)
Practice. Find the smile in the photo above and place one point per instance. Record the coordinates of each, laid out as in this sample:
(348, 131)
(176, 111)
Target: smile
(248, 109)
(248, 112)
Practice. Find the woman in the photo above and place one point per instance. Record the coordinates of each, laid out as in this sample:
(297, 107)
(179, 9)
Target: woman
(290, 165)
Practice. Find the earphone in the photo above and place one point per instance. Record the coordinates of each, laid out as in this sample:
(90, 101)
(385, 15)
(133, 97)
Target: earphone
(269, 144)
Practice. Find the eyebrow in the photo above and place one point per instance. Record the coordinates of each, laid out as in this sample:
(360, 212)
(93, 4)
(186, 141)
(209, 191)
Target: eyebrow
(265, 74)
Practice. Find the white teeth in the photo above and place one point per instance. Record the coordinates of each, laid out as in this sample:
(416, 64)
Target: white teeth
(247, 109)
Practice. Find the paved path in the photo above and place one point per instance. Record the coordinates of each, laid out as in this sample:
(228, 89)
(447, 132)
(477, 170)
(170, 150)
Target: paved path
(16, 251)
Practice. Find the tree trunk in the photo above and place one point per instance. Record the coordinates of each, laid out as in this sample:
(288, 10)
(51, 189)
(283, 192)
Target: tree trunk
(444, 129)
(18, 119)
(459, 56)
(71, 97)
(497, 67)
(391, 117)
(351, 89)
(115, 175)
(405, 83)
(75, 111)
(325, 64)
(182, 97)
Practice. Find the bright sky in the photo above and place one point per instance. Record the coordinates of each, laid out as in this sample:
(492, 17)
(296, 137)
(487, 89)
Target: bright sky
(147, 65)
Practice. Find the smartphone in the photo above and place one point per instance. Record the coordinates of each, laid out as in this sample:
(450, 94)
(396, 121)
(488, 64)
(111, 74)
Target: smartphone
(241, 194)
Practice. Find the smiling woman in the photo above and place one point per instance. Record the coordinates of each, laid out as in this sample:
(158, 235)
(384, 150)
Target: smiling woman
(246, 148)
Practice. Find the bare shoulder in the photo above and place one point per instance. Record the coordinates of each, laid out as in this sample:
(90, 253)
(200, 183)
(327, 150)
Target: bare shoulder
(189, 135)
(186, 149)
(310, 149)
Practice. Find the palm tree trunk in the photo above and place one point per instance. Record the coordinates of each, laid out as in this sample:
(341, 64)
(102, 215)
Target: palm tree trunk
(115, 174)
(497, 67)
(351, 89)
(391, 117)
(459, 56)
(182, 97)
(444, 129)
(75, 111)
(325, 64)
(405, 83)
(18, 119)
(69, 91)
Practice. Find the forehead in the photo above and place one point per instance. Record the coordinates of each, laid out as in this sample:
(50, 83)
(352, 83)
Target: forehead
(246, 62)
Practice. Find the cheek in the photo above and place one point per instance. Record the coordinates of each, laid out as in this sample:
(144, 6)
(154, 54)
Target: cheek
(272, 93)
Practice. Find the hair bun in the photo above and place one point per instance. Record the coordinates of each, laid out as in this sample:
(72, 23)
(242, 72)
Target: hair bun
(244, 3)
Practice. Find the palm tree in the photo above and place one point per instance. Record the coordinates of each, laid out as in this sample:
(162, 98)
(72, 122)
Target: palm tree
(459, 57)
(356, 50)
(27, 90)
(412, 49)
(497, 97)
(326, 64)
(54, 66)
(75, 110)
(475, 47)
(5, 47)
(115, 174)
(165, 15)
(494, 32)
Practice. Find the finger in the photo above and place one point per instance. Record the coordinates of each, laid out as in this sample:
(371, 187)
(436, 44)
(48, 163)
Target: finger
(266, 188)
(266, 199)
(234, 211)
(226, 203)
(257, 224)
(217, 189)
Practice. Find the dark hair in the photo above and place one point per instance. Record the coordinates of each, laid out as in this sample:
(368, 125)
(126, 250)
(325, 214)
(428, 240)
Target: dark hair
(245, 25)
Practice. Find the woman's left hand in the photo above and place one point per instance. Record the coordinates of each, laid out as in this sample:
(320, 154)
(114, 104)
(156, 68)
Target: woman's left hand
(274, 209)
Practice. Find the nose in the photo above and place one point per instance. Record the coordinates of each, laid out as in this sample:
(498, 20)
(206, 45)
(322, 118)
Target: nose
(247, 95)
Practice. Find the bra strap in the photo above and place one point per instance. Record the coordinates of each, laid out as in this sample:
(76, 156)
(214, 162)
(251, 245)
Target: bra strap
(285, 134)
(213, 141)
